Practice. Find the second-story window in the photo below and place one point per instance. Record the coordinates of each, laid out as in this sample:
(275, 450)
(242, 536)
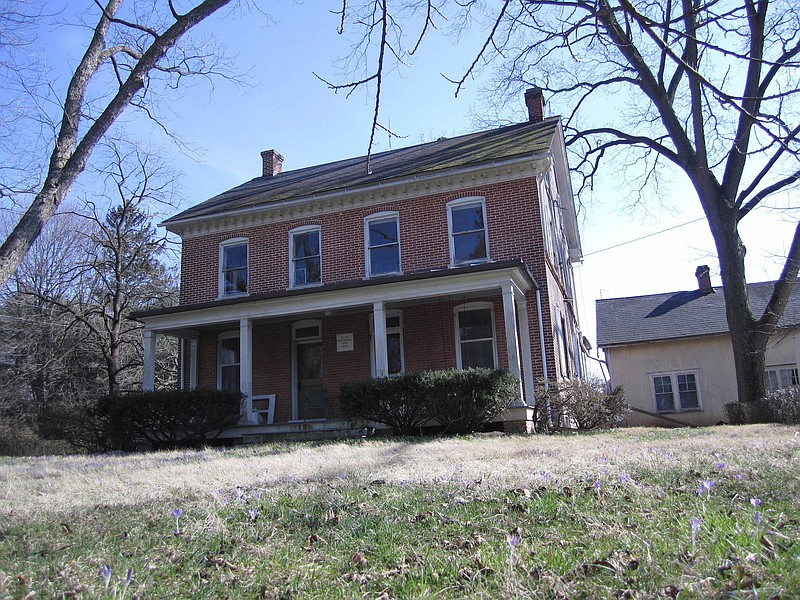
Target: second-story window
(468, 236)
(383, 244)
(306, 260)
(233, 267)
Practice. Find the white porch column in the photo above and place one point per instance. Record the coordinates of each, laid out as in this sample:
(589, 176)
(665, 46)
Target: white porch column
(381, 352)
(246, 367)
(149, 375)
(512, 334)
(193, 346)
(525, 345)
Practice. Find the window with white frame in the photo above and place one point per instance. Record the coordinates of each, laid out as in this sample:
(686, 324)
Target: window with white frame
(394, 343)
(233, 267)
(781, 377)
(382, 233)
(676, 392)
(475, 337)
(228, 362)
(469, 240)
(306, 259)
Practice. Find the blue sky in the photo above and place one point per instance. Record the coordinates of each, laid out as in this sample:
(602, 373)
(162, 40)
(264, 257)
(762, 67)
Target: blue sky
(286, 107)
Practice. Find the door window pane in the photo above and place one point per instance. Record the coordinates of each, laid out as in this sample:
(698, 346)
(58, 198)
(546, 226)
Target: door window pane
(229, 364)
(395, 353)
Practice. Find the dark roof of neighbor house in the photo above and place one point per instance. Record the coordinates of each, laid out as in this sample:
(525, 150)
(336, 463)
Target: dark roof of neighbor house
(463, 151)
(675, 315)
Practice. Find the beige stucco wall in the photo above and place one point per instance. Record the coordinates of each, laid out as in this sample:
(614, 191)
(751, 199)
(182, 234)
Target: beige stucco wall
(710, 357)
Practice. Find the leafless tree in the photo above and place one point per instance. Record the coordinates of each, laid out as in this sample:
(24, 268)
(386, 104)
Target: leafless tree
(123, 266)
(705, 88)
(132, 45)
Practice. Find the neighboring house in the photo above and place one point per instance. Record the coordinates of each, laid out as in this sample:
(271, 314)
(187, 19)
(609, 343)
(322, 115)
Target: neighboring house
(673, 356)
(452, 254)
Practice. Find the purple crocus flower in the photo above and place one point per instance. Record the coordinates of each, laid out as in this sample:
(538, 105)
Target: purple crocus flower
(694, 523)
(513, 539)
(704, 489)
(105, 573)
(176, 513)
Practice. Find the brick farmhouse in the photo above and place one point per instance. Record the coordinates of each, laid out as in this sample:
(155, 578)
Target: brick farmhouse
(446, 255)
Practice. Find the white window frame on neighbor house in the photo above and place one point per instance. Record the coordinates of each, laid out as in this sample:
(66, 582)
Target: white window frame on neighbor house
(381, 217)
(305, 229)
(462, 203)
(228, 335)
(471, 307)
(779, 377)
(394, 326)
(224, 246)
(675, 379)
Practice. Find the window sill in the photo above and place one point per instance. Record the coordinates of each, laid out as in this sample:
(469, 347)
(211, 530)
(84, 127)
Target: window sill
(305, 286)
(678, 411)
(469, 263)
(380, 275)
(236, 295)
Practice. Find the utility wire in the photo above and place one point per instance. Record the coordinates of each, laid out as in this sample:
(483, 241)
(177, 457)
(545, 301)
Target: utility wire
(644, 237)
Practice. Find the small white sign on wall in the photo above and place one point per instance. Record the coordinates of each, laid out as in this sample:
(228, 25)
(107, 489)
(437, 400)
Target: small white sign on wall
(344, 342)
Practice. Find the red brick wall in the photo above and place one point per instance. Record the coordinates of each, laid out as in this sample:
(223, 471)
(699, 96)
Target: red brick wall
(512, 213)
(515, 232)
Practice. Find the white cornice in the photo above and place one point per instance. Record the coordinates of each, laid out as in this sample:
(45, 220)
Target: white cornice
(331, 300)
(419, 185)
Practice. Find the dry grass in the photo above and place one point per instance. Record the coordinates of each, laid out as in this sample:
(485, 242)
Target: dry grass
(42, 485)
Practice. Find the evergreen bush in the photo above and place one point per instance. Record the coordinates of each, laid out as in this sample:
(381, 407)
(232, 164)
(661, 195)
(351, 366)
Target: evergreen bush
(165, 417)
(461, 401)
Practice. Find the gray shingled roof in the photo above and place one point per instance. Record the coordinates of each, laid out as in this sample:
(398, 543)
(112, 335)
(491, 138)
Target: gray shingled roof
(463, 151)
(678, 315)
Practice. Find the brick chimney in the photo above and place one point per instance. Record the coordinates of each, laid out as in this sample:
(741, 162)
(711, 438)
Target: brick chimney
(272, 163)
(534, 100)
(703, 274)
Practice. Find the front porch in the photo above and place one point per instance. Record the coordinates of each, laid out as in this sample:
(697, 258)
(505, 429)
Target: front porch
(289, 351)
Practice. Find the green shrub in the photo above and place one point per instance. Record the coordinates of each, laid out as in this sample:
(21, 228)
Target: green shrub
(392, 401)
(460, 401)
(582, 403)
(166, 417)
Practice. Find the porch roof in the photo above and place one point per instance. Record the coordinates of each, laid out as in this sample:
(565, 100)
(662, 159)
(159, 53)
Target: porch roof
(407, 286)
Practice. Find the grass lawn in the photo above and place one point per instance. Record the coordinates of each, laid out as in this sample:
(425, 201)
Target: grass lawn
(633, 513)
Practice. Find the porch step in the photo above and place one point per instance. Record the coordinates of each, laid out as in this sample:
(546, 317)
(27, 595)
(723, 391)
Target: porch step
(303, 431)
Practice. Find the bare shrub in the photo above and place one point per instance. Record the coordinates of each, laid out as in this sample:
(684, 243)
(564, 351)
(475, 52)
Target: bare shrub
(583, 403)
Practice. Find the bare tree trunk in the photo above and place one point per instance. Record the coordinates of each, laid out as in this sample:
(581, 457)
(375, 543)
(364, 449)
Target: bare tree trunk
(70, 154)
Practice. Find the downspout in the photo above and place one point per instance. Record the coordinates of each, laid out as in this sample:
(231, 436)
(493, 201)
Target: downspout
(544, 352)
(181, 349)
